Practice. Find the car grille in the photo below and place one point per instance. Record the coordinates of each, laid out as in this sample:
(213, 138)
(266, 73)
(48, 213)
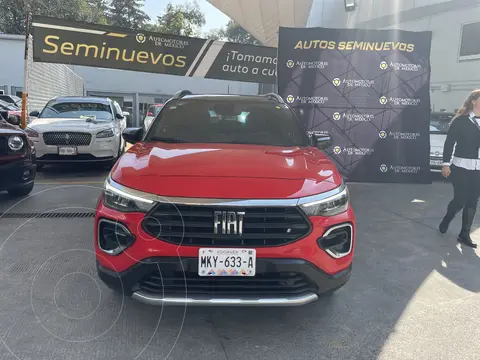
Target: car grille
(194, 225)
(190, 283)
(67, 138)
(3, 146)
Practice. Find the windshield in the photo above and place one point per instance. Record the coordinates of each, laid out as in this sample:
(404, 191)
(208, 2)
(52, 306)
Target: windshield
(77, 110)
(153, 110)
(11, 99)
(7, 106)
(439, 123)
(222, 121)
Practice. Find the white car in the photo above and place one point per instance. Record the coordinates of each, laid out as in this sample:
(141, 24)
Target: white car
(439, 122)
(152, 113)
(78, 129)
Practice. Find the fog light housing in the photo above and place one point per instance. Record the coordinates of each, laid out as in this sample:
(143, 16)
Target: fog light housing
(26, 174)
(113, 237)
(337, 241)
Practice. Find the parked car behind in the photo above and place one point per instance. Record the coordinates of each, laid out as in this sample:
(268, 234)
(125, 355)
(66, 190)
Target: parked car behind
(152, 113)
(11, 99)
(17, 157)
(12, 109)
(439, 123)
(78, 129)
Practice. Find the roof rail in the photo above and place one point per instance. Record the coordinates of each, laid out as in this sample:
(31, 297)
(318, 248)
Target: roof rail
(276, 97)
(180, 94)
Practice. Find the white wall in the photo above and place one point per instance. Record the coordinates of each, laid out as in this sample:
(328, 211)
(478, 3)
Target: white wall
(371, 9)
(460, 76)
(111, 80)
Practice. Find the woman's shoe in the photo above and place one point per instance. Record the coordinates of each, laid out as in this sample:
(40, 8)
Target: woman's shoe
(443, 227)
(464, 238)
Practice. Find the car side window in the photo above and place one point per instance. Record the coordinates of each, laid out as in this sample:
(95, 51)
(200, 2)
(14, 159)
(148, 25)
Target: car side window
(118, 109)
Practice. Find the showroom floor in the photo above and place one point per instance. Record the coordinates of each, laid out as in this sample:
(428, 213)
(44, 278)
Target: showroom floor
(412, 295)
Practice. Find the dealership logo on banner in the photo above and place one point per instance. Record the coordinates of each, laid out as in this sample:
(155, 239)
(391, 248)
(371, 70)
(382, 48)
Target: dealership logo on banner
(140, 38)
(398, 135)
(353, 82)
(374, 103)
(353, 151)
(400, 169)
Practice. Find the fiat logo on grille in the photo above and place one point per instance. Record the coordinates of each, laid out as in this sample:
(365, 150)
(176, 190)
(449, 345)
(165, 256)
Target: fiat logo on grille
(228, 222)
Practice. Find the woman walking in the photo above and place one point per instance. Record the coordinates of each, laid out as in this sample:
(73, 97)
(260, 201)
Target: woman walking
(464, 168)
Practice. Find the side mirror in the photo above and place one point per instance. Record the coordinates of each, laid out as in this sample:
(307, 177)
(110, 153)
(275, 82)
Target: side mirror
(125, 113)
(321, 141)
(132, 135)
(14, 119)
(35, 113)
(119, 116)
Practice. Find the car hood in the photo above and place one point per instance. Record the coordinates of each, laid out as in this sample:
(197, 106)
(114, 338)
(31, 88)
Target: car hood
(67, 124)
(226, 171)
(7, 128)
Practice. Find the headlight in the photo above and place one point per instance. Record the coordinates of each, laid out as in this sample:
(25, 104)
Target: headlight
(330, 206)
(119, 198)
(105, 134)
(15, 143)
(31, 133)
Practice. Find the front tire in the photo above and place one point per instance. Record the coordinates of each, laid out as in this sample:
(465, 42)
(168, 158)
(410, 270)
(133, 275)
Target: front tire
(22, 191)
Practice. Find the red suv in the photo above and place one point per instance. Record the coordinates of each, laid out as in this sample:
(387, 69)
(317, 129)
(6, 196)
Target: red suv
(224, 200)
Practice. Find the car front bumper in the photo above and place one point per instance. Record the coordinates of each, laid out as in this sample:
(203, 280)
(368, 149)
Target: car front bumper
(99, 150)
(186, 288)
(436, 163)
(16, 174)
(300, 270)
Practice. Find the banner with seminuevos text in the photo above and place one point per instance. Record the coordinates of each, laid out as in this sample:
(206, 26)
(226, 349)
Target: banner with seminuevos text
(79, 43)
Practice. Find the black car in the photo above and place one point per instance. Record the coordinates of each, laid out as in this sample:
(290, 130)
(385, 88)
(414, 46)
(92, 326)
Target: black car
(11, 99)
(6, 106)
(17, 157)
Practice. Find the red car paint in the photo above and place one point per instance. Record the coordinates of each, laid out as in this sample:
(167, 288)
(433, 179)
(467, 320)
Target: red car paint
(225, 171)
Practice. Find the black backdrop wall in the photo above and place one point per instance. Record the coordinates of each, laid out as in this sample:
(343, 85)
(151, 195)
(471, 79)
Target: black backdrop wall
(368, 89)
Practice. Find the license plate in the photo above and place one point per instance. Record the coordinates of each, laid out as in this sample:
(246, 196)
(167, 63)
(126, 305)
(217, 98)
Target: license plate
(67, 150)
(436, 162)
(226, 262)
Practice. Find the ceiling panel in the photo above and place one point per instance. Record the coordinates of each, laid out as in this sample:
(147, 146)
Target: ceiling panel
(262, 18)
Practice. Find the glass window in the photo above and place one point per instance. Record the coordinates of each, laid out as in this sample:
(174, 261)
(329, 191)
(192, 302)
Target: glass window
(153, 110)
(12, 99)
(224, 121)
(118, 109)
(470, 46)
(8, 106)
(79, 110)
(439, 123)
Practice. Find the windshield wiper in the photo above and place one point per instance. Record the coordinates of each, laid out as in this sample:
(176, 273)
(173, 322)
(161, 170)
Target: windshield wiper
(167, 139)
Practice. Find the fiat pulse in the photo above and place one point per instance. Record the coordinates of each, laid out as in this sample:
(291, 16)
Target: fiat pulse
(224, 200)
